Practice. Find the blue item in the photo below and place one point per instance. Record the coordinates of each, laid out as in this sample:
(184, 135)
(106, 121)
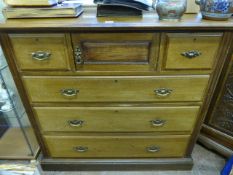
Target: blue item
(227, 169)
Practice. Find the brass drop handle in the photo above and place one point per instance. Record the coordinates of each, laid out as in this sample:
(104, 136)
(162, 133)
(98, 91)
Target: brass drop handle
(69, 92)
(153, 149)
(191, 54)
(80, 149)
(158, 122)
(41, 55)
(163, 92)
(78, 56)
(76, 123)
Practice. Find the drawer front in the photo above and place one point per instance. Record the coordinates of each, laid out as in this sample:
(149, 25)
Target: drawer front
(116, 146)
(116, 51)
(116, 89)
(190, 51)
(41, 51)
(117, 119)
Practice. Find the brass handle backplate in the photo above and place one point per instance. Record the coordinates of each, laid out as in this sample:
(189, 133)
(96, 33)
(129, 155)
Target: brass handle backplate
(78, 56)
(158, 122)
(163, 92)
(153, 149)
(41, 55)
(80, 149)
(76, 123)
(69, 92)
(191, 54)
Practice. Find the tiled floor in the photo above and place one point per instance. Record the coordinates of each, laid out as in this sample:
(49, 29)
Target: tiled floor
(205, 163)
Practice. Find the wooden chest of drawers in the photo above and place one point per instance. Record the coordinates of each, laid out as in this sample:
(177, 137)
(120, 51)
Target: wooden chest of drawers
(104, 98)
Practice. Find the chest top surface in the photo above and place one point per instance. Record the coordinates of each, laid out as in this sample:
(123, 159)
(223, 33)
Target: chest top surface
(89, 21)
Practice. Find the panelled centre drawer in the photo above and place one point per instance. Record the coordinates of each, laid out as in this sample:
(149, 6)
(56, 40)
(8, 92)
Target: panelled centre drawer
(116, 146)
(190, 50)
(116, 119)
(116, 89)
(116, 51)
(41, 51)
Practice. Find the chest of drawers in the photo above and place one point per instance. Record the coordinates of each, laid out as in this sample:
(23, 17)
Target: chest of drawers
(115, 96)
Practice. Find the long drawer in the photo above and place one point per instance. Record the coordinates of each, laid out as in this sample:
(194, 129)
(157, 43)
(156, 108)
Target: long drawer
(117, 146)
(116, 89)
(116, 119)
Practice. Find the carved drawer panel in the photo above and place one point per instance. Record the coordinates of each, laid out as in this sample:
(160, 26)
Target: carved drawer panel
(41, 51)
(189, 51)
(115, 51)
(117, 119)
(116, 89)
(100, 146)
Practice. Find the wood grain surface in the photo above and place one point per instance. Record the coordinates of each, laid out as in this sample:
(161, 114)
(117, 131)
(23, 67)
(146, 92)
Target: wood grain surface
(117, 119)
(54, 44)
(116, 89)
(177, 44)
(117, 146)
(117, 51)
(88, 22)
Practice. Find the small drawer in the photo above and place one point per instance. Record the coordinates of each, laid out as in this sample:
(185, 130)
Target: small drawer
(116, 89)
(116, 146)
(117, 119)
(41, 51)
(190, 51)
(115, 51)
